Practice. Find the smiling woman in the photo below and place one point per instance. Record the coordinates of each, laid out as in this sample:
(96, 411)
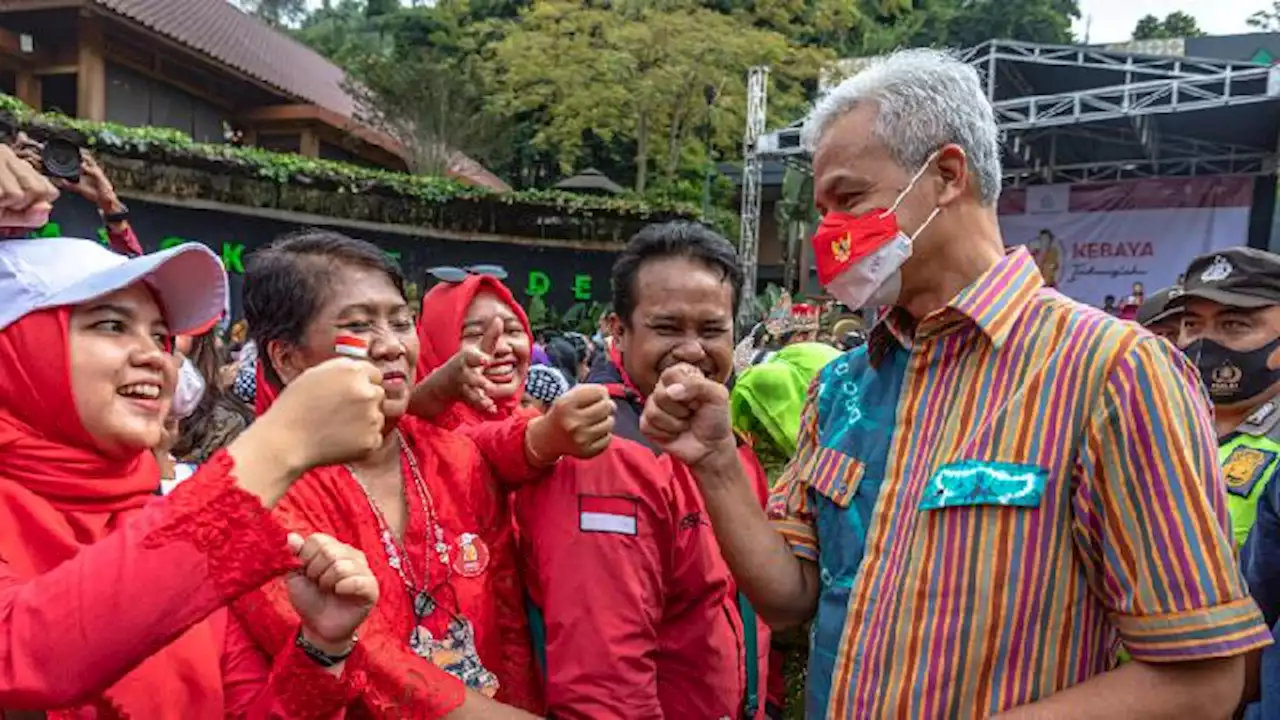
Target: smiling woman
(449, 631)
(86, 382)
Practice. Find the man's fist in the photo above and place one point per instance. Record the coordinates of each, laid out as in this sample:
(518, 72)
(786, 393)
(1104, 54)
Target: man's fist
(333, 591)
(579, 424)
(688, 415)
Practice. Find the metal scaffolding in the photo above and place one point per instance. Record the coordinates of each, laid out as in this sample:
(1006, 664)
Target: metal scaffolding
(753, 163)
(1112, 86)
(1077, 114)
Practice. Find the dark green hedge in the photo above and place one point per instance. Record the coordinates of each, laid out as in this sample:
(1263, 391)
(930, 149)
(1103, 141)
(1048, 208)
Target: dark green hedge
(171, 162)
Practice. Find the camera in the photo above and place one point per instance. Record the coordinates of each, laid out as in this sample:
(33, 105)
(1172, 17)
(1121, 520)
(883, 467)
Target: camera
(59, 155)
(61, 159)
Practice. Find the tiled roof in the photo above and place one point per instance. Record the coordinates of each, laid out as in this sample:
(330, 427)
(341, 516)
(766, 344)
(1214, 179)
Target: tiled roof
(223, 32)
(234, 38)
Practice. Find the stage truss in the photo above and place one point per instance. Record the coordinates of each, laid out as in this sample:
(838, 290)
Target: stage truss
(1081, 114)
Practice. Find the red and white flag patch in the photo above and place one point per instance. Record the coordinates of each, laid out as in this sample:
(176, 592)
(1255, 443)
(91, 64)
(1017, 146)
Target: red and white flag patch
(607, 514)
(351, 346)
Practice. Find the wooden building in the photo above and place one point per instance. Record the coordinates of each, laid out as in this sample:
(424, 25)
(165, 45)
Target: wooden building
(200, 66)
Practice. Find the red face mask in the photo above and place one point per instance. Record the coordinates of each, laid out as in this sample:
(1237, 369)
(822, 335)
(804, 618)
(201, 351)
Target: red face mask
(844, 239)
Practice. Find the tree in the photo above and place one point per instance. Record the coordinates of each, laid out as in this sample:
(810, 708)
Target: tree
(637, 72)
(278, 13)
(965, 23)
(413, 75)
(1175, 25)
(1266, 20)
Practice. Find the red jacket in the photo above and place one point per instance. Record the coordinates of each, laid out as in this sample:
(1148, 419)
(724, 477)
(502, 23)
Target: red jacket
(641, 614)
(68, 634)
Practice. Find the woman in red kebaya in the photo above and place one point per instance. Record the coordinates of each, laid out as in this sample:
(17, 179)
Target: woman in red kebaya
(111, 599)
(471, 318)
(449, 636)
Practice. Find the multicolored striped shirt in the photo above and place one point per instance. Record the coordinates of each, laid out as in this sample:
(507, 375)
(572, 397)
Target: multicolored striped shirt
(1001, 497)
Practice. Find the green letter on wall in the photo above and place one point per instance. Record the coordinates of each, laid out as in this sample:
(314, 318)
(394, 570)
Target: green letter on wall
(539, 284)
(232, 254)
(582, 287)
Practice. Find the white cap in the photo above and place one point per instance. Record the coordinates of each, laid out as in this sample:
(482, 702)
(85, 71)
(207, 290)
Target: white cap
(42, 273)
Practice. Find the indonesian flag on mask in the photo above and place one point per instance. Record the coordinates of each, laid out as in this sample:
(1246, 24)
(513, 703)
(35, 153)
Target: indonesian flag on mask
(843, 240)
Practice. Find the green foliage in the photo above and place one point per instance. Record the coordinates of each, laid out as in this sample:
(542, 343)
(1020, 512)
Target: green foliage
(1175, 25)
(578, 317)
(655, 74)
(165, 144)
(964, 23)
(280, 13)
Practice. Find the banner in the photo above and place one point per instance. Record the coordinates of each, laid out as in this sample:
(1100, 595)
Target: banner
(1103, 244)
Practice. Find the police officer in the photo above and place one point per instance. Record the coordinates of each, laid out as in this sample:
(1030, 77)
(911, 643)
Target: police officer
(1157, 315)
(1231, 330)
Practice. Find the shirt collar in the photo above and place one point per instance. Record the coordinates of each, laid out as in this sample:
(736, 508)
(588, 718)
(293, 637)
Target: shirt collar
(992, 303)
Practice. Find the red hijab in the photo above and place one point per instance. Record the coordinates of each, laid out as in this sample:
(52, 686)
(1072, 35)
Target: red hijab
(58, 493)
(440, 331)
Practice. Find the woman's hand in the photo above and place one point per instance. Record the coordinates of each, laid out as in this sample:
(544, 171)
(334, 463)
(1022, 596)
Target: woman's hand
(579, 424)
(332, 413)
(333, 592)
(460, 379)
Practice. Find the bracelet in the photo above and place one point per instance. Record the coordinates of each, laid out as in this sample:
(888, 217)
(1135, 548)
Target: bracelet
(115, 217)
(320, 657)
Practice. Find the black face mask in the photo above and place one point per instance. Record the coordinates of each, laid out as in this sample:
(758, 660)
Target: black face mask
(1230, 375)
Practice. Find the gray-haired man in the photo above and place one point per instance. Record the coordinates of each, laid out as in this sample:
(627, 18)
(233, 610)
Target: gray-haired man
(999, 489)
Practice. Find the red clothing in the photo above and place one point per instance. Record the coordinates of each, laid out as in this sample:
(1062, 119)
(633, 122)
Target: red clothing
(444, 309)
(105, 600)
(69, 634)
(500, 436)
(641, 615)
(123, 240)
(400, 683)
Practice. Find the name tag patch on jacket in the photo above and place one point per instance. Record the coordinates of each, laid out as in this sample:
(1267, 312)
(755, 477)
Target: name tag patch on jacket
(1243, 469)
(610, 514)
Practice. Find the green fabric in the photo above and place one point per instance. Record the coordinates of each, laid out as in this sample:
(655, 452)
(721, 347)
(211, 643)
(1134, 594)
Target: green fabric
(751, 649)
(767, 398)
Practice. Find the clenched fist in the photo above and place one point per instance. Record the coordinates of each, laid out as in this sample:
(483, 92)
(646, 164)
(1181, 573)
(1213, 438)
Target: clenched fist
(688, 415)
(333, 592)
(579, 424)
(331, 413)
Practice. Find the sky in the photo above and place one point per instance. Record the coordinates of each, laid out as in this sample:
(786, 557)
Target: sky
(1113, 20)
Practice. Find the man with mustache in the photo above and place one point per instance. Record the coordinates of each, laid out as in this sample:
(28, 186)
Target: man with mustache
(639, 616)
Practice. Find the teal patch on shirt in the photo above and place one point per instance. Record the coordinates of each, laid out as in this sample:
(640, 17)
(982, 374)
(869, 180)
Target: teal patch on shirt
(975, 482)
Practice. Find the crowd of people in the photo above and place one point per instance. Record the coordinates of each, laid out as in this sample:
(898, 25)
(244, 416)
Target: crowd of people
(996, 502)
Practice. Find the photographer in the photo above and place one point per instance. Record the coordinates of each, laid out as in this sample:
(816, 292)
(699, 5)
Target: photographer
(86, 180)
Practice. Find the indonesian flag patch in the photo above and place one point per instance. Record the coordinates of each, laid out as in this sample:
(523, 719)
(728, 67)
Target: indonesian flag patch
(351, 346)
(610, 514)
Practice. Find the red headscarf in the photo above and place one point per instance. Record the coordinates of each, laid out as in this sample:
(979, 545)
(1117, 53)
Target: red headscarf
(440, 331)
(58, 493)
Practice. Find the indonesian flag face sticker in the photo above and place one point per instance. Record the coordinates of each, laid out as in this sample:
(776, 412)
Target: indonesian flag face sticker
(351, 346)
(607, 514)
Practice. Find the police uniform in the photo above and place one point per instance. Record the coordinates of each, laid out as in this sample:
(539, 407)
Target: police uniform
(1244, 278)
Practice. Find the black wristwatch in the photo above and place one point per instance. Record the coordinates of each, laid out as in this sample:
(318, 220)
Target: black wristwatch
(319, 656)
(119, 216)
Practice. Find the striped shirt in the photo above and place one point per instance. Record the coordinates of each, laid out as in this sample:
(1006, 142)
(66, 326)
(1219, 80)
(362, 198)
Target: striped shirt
(1000, 498)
